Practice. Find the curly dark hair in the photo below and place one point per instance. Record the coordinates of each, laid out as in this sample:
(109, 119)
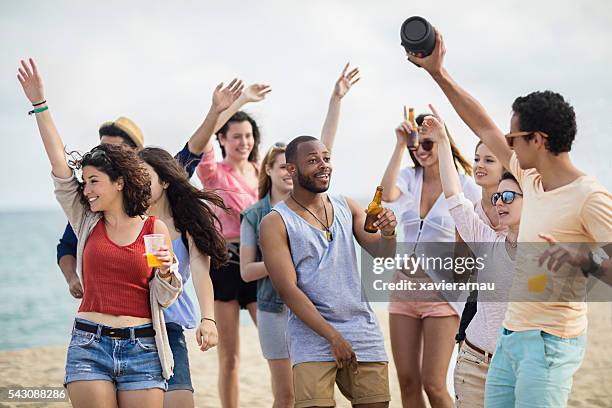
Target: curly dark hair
(547, 112)
(190, 207)
(120, 161)
(238, 117)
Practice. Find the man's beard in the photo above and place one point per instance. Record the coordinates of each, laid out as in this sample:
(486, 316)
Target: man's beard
(309, 184)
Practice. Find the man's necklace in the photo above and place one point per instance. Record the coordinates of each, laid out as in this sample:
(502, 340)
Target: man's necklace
(513, 244)
(326, 225)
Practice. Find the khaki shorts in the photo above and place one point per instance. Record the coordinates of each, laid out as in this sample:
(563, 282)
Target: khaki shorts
(313, 383)
(470, 376)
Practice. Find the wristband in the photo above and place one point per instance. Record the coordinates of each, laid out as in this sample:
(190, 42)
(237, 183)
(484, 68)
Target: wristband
(39, 103)
(38, 110)
(392, 236)
(209, 319)
(164, 275)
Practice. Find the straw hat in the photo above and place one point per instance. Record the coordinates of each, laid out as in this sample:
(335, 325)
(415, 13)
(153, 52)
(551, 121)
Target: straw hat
(128, 127)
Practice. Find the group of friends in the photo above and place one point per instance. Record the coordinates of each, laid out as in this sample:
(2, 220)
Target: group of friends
(266, 236)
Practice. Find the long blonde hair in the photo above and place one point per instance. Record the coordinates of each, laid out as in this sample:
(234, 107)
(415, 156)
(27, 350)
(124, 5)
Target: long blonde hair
(265, 182)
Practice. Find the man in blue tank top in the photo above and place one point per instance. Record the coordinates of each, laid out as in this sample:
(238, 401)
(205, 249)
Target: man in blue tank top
(307, 243)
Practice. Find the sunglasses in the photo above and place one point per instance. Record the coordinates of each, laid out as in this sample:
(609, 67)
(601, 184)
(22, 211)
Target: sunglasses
(506, 196)
(510, 136)
(75, 159)
(95, 154)
(277, 146)
(427, 145)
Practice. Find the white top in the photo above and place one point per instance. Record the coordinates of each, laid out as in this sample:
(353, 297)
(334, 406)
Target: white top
(481, 213)
(484, 241)
(438, 225)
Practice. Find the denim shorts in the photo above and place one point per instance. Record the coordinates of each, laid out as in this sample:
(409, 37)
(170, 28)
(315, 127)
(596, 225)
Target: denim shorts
(181, 380)
(130, 364)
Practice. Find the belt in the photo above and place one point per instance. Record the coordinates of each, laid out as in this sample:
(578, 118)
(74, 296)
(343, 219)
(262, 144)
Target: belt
(486, 354)
(123, 333)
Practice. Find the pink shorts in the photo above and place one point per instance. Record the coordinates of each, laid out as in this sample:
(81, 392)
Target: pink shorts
(421, 310)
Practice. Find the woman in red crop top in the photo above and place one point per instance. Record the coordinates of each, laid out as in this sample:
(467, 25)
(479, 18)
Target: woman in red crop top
(112, 358)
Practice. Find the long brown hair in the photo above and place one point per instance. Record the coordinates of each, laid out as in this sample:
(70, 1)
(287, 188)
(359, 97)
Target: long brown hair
(265, 182)
(119, 162)
(458, 158)
(190, 207)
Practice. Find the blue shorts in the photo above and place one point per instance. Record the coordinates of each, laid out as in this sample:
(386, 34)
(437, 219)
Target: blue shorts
(532, 369)
(130, 364)
(181, 380)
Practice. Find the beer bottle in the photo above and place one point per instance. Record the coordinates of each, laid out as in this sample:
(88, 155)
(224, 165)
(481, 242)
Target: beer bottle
(374, 208)
(413, 138)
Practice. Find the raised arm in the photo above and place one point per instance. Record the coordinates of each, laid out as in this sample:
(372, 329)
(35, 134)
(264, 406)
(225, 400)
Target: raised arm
(433, 126)
(342, 86)
(277, 258)
(253, 93)
(469, 225)
(391, 192)
(32, 85)
(222, 99)
(467, 107)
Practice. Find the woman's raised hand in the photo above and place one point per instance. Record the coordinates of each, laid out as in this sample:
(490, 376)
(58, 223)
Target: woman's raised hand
(224, 97)
(346, 81)
(402, 131)
(433, 126)
(256, 92)
(30, 81)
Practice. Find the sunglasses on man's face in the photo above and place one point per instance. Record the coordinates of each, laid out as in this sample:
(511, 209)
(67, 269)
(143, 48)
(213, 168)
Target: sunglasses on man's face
(507, 197)
(510, 136)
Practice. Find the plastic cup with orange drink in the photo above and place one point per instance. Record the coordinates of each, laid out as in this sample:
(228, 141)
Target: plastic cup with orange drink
(153, 242)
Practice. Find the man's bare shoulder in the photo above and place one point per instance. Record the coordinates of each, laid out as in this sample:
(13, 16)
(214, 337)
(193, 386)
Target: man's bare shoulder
(273, 221)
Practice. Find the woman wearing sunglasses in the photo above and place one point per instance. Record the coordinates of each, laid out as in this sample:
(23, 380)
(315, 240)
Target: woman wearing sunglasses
(425, 328)
(488, 171)
(275, 184)
(481, 335)
(119, 353)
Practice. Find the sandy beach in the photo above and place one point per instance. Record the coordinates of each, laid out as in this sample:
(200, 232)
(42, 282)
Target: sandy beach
(44, 366)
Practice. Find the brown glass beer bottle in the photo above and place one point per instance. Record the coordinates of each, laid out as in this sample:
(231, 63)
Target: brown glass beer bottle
(413, 137)
(374, 208)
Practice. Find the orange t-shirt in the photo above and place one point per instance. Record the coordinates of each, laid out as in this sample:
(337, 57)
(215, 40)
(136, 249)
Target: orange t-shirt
(580, 211)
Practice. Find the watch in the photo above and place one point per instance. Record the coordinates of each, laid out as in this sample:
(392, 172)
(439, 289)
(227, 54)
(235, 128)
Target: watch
(595, 261)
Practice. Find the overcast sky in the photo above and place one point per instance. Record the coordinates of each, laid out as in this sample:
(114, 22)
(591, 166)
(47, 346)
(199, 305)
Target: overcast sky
(157, 63)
